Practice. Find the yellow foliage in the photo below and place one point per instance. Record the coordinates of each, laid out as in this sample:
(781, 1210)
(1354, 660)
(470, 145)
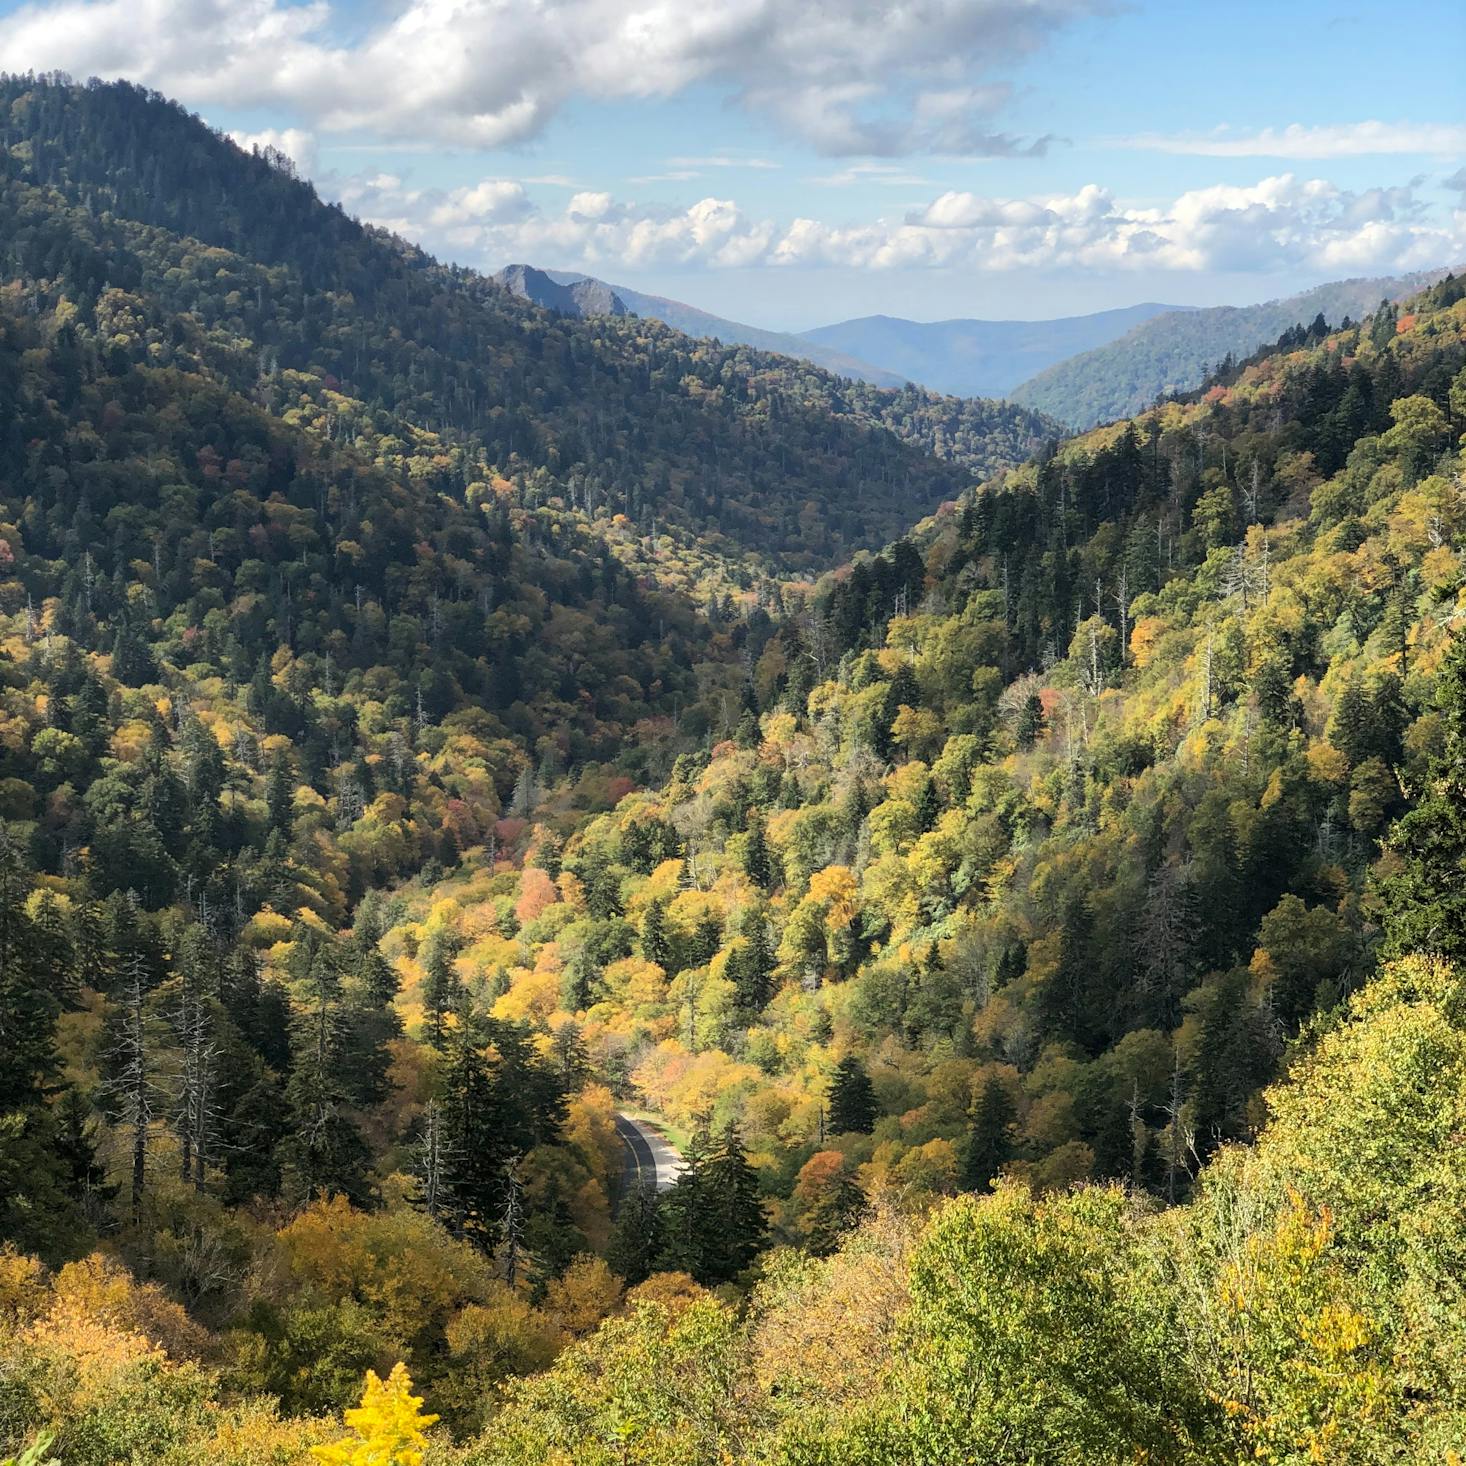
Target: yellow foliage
(390, 1426)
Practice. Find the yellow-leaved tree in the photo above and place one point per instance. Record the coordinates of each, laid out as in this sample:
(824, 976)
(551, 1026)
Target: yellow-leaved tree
(391, 1429)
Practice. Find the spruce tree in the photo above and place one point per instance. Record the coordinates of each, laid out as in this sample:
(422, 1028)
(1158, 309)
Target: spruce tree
(989, 1144)
(758, 862)
(739, 1223)
(325, 1152)
(852, 1099)
(1031, 722)
(1424, 896)
(636, 1240)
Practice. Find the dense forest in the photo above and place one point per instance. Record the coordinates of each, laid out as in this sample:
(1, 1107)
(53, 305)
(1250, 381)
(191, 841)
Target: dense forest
(1041, 935)
(110, 190)
(1175, 352)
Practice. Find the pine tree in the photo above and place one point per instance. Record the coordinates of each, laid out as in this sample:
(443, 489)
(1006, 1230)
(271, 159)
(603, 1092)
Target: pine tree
(474, 1148)
(836, 1211)
(1424, 897)
(280, 794)
(739, 1222)
(758, 863)
(1031, 722)
(989, 1143)
(852, 1099)
(637, 1239)
(325, 1151)
(656, 940)
(442, 990)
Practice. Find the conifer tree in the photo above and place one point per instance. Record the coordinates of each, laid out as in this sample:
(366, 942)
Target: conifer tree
(989, 1143)
(1424, 896)
(636, 1240)
(852, 1099)
(1031, 721)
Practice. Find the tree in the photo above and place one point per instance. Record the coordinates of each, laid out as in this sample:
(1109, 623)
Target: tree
(1424, 895)
(656, 940)
(441, 988)
(391, 1428)
(989, 1144)
(758, 864)
(325, 1151)
(636, 1239)
(1031, 721)
(852, 1099)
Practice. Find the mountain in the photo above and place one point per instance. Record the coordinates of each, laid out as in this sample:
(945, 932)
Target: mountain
(699, 323)
(582, 297)
(969, 358)
(1174, 351)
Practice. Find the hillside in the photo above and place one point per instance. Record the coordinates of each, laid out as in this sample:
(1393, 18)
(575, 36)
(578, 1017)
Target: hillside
(705, 326)
(969, 358)
(1174, 351)
(722, 446)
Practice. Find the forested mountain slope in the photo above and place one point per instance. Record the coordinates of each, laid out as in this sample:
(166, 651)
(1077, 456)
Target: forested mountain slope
(756, 455)
(1039, 877)
(1175, 351)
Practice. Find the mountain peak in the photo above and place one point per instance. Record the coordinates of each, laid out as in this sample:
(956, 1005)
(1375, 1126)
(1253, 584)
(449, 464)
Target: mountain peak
(583, 297)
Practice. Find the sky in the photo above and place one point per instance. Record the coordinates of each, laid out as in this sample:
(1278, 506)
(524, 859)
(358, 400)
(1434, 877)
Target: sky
(795, 162)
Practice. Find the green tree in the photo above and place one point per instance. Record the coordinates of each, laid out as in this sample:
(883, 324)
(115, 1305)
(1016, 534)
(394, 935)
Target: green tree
(989, 1144)
(851, 1106)
(1424, 890)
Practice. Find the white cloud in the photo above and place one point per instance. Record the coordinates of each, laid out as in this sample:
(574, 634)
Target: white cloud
(723, 160)
(1281, 223)
(879, 77)
(890, 174)
(1343, 140)
(297, 145)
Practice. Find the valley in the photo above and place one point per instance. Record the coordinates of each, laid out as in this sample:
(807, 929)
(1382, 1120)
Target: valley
(616, 896)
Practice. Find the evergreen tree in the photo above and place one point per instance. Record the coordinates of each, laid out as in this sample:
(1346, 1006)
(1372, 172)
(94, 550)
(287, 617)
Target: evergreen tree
(758, 864)
(442, 990)
(473, 1154)
(656, 940)
(833, 1214)
(1424, 896)
(325, 1152)
(740, 1222)
(852, 1099)
(1031, 722)
(636, 1240)
(989, 1144)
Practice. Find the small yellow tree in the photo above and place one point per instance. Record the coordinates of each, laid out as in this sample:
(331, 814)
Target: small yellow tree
(389, 1424)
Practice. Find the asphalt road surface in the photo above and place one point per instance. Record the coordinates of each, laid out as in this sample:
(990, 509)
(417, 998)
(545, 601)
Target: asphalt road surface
(649, 1156)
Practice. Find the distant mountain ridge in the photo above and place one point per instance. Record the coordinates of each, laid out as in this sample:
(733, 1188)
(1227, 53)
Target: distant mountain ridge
(977, 358)
(1174, 351)
(705, 326)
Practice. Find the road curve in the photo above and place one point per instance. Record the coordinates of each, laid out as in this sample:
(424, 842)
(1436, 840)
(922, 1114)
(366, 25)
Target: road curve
(649, 1155)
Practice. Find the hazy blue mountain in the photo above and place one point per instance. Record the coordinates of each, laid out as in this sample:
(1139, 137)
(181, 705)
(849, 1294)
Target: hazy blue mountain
(969, 358)
(703, 324)
(1173, 352)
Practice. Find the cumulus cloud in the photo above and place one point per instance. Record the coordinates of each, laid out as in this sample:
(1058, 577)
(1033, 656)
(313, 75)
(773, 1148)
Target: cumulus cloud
(1277, 224)
(1344, 140)
(883, 77)
(297, 145)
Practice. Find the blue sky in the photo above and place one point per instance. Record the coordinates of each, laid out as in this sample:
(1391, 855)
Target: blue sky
(795, 163)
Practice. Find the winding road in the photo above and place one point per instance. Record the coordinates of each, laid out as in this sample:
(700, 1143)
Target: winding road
(649, 1155)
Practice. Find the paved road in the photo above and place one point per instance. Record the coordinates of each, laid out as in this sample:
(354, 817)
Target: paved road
(649, 1155)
